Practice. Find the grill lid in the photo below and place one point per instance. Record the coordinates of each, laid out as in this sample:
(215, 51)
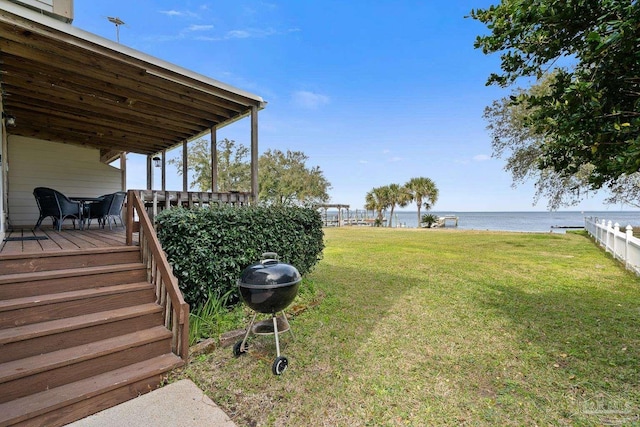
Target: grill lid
(269, 273)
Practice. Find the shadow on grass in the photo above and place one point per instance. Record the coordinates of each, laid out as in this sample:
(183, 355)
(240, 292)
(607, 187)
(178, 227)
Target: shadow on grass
(587, 340)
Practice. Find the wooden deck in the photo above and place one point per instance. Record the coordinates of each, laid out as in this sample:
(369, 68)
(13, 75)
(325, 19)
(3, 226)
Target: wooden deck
(49, 240)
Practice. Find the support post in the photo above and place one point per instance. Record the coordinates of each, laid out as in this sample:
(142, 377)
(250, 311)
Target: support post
(214, 160)
(149, 173)
(185, 167)
(164, 170)
(254, 154)
(123, 170)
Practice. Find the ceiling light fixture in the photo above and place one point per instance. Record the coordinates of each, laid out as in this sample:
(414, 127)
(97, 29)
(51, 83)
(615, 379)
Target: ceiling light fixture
(9, 120)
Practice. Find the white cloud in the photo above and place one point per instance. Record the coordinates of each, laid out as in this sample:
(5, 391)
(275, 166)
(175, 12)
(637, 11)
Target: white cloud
(481, 158)
(309, 100)
(395, 159)
(247, 34)
(200, 28)
(363, 162)
(181, 13)
(238, 34)
(171, 12)
(257, 33)
(241, 34)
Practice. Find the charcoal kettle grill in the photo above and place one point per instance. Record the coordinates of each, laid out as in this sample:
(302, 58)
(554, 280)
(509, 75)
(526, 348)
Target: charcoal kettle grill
(268, 287)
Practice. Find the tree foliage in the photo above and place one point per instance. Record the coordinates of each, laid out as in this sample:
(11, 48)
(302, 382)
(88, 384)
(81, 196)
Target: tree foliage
(234, 169)
(377, 200)
(591, 114)
(285, 180)
(399, 195)
(522, 147)
(625, 191)
(423, 190)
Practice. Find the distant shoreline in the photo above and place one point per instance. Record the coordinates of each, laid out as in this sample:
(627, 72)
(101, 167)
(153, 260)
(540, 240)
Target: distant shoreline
(526, 221)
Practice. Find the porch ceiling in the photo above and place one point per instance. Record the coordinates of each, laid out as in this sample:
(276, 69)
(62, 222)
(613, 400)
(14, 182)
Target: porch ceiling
(66, 85)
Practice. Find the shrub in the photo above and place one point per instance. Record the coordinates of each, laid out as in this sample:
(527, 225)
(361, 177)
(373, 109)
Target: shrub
(209, 247)
(429, 219)
(212, 318)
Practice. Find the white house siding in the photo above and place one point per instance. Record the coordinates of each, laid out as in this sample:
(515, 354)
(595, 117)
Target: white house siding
(46, 5)
(2, 178)
(60, 9)
(72, 170)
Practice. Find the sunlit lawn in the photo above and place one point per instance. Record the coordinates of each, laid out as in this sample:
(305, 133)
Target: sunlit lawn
(439, 327)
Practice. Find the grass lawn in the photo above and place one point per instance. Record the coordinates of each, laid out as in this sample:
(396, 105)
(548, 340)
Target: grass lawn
(446, 327)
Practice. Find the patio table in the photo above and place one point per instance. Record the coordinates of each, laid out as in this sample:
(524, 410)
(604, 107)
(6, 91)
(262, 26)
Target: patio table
(84, 201)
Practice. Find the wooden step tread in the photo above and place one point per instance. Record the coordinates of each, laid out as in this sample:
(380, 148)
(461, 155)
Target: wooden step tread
(56, 326)
(41, 300)
(71, 272)
(35, 364)
(69, 252)
(56, 398)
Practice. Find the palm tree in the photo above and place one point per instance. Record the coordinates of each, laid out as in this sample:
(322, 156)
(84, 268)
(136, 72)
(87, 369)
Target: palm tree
(377, 200)
(397, 196)
(423, 188)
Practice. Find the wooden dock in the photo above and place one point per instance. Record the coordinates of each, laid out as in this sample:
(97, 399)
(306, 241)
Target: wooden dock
(442, 220)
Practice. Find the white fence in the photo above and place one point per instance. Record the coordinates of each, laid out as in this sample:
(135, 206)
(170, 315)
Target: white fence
(620, 244)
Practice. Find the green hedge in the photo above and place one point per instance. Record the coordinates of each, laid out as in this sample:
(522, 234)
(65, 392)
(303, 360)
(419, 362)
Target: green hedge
(208, 248)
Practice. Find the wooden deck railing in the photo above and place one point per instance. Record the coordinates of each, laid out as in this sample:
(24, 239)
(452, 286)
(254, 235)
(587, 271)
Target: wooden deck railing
(159, 273)
(156, 200)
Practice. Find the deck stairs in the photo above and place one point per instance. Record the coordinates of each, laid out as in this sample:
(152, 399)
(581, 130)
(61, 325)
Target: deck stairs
(80, 331)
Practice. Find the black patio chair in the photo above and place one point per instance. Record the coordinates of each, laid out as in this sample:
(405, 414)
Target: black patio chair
(56, 205)
(109, 207)
(99, 209)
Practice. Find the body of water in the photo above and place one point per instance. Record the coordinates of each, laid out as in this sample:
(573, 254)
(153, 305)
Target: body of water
(521, 221)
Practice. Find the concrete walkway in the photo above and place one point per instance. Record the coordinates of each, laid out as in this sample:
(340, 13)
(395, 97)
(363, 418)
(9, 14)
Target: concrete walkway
(180, 404)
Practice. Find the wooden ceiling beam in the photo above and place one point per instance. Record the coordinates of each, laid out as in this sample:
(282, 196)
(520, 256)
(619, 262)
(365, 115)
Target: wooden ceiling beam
(111, 72)
(55, 99)
(68, 86)
(122, 89)
(108, 156)
(35, 115)
(64, 137)
(47, 38)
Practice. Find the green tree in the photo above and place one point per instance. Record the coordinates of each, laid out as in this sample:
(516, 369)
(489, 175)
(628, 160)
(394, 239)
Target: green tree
(234, 169)
(521, 146)
(423, 189)
(234, 166)
(378, 200)
(398, 195)
(285, 179)
(625, 190)
(592, 113)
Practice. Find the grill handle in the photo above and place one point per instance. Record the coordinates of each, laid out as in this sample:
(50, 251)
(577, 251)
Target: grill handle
(269, 258)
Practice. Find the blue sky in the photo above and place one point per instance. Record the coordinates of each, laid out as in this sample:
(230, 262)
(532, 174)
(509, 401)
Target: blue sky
(374, 92)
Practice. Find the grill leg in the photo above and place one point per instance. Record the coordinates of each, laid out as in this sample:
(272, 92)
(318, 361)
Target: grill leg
(284, 316)
(275, 332)
(244, 340)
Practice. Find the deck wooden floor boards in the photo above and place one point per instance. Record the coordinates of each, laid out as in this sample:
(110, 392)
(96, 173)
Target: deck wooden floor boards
(66, 239)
